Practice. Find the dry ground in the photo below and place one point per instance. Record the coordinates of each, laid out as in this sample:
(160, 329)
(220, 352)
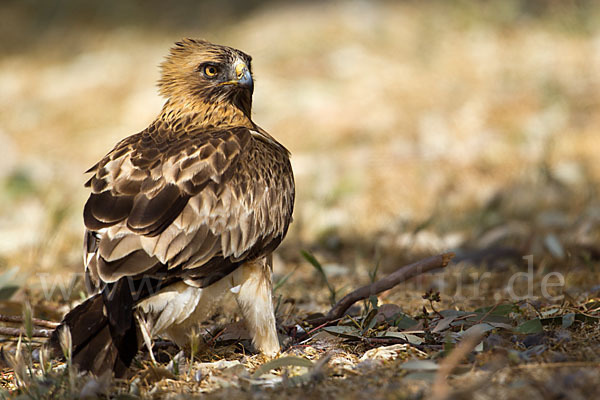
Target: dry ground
(415, 128)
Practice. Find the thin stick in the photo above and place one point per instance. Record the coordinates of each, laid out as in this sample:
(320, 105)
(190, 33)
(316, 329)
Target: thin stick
(379, 341)
(36, 321)
(21, 332)
(400, 275)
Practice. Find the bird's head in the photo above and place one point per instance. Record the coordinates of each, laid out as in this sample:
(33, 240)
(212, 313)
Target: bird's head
(197, 72)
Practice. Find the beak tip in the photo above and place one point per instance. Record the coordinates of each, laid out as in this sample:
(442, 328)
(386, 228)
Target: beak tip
(245, 78)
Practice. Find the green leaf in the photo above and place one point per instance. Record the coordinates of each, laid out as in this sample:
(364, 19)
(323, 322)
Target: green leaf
(290, 361)
(531, 326)
(501, 309)
(350, 332)
(403, 321)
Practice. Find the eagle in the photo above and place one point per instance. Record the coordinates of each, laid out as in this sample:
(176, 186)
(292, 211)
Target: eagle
(181, 213)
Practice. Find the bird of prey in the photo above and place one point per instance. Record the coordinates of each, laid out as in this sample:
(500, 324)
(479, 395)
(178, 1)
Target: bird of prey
(181, 213)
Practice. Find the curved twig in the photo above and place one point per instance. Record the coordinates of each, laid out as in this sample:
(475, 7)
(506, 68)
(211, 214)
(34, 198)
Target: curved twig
(36, 321)
(6, 331)
(400, 275)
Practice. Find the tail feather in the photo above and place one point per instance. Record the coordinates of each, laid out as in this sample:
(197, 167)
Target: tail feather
(97, 344)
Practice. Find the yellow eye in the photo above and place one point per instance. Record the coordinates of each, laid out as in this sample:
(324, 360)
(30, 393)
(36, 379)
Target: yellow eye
(210, 71)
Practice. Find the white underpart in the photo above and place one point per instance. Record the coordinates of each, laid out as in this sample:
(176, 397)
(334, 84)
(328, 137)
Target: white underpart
(172, 306)
(176, 310)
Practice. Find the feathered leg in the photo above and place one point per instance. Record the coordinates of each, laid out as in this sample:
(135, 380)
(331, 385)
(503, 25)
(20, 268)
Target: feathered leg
(254, 298)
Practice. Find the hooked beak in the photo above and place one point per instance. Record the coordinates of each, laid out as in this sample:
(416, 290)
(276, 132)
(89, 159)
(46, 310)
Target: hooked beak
(242, 76)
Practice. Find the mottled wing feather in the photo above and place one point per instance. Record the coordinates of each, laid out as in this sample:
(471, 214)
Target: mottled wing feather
(196, 204)
(104, 209)
(253, 211)
(151, 215)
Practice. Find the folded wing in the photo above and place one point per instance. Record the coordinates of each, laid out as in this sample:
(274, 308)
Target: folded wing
(192, 206)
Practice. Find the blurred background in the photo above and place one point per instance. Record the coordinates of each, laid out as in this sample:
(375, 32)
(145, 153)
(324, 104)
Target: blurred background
(415, 127)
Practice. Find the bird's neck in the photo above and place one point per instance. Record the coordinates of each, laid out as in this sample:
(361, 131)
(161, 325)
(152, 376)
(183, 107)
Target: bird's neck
(204, 114)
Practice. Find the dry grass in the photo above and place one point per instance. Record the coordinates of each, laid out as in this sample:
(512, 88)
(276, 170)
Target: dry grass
(415, 127)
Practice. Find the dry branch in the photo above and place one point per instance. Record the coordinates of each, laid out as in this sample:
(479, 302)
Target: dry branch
(400, 275)
(36, 321)
(6, 331)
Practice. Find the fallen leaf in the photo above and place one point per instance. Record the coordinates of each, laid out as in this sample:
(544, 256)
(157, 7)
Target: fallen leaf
(343, 331)
(282, 362)
(531, 326)
(412, 339)
(385, 353)
(443, 324)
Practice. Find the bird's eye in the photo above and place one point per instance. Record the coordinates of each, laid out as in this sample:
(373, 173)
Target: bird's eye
(210, 71)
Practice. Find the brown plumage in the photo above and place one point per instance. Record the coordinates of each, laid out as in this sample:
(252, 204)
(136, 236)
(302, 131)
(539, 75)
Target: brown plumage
(181, 212)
